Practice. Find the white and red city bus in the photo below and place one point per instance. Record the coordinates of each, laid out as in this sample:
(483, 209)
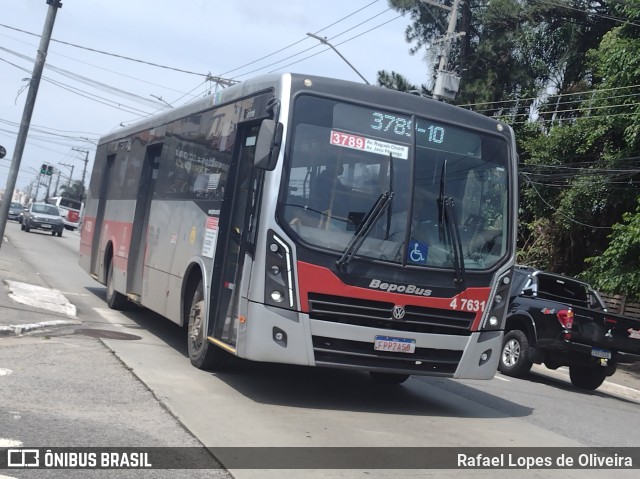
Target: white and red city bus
(313, 221)
(70, 210)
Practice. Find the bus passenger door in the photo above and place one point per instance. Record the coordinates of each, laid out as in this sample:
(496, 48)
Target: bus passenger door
(138, 247)
(238, 207)
(97, 226)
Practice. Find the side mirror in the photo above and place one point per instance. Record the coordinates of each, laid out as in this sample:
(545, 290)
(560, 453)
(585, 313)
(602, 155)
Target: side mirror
(268, 145)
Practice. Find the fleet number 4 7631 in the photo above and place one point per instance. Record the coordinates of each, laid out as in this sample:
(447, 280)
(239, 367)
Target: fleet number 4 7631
(471, 305)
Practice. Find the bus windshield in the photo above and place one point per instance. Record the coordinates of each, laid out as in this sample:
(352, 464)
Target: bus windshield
(448, 186)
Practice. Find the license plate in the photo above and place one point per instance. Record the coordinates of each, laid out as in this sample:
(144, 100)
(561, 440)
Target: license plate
(395, 345)
(46, 226)
(600, 353)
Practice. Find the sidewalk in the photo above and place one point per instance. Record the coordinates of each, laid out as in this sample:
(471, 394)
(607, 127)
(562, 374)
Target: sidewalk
(26, 301)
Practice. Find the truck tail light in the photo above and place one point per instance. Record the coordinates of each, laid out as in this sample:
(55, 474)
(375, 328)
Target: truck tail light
(565, 316)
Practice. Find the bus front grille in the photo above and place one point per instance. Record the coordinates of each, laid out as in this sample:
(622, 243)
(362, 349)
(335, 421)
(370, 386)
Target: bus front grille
(361, 355)
(378, 314)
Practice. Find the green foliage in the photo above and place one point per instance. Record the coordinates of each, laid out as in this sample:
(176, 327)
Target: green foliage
(565, 75)
(395, 81)
(75, 191)
(617, 270)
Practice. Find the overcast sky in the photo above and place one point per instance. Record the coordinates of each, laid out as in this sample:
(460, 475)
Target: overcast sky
(221, 37)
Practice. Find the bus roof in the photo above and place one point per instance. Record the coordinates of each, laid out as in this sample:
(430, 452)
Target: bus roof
(349, 90)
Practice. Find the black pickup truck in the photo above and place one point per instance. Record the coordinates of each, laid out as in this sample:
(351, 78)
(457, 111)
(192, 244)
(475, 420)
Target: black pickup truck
(560, 321)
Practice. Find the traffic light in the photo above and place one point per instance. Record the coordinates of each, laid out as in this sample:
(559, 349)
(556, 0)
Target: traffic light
(43, 169)
(49, 170)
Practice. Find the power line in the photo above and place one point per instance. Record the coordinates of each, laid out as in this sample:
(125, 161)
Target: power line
(315, 46)
(96, 98)
(297, 42)
(87, 81)
(115, 72)
(341, 43)
(124, 57)
(595, 14)
(555, 95)
(573, 220)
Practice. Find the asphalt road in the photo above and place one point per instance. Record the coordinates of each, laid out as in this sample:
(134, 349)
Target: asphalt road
(278, 405)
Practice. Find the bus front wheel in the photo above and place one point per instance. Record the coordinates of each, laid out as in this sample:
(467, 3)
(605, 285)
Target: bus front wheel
(202, 353)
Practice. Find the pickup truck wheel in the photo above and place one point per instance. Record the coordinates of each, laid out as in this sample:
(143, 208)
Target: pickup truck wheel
(514, 359)
(586, 377)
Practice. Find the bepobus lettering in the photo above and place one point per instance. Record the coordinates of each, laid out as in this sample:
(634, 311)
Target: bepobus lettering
(399, 288)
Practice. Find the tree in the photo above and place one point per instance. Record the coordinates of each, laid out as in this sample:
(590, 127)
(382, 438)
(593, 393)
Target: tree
(511, 50)
(582, 173)
(75, 191)
(617, 270)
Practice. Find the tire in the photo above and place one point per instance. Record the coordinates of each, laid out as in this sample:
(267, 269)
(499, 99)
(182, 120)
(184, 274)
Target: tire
(60, 234)
(514, 358)
(115, 300)
(388, 378)
(202, 353)
(587, 377)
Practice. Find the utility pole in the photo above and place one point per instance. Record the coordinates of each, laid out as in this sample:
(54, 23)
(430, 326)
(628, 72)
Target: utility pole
(86, 160)
(447, 83)
(28, 111)
(70, 178)
(55, 190)
(38, 181)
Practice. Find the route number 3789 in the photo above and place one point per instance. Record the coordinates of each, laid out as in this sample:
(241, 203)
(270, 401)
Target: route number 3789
(471, 305)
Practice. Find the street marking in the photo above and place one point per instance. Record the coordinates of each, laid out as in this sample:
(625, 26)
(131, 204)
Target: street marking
(502, 379)
(5, 371)
(18, 329)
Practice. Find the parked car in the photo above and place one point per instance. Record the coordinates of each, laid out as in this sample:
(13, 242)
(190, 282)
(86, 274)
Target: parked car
(43, 217)
(14, 211)
(560, 321)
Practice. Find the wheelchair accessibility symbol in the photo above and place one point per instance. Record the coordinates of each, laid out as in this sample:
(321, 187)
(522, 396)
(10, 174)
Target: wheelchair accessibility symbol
(417, 252)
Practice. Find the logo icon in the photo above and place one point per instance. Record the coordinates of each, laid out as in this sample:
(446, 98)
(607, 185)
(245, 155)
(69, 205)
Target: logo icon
(23, 458)
(398, 312)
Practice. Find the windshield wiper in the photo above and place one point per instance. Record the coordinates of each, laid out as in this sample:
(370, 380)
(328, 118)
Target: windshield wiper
(369, 220)
(448, 227)
(391, 193)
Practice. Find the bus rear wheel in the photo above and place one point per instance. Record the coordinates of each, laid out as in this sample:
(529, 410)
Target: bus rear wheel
(115, 300)
(202, 353)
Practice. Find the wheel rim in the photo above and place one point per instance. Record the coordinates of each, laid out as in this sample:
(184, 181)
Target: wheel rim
(196, 336)
(511, 353)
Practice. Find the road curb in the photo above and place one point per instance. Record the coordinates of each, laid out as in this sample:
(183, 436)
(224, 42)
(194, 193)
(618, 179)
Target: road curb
(39, 297)
(20, 329)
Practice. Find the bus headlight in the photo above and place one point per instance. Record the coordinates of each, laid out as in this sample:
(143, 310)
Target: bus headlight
(279, 287)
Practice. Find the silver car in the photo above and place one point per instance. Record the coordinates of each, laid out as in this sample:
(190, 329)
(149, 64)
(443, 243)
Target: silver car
(43, 216)
(14, 211)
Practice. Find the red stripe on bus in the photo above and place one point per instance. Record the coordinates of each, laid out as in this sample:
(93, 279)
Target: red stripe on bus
(316, 279)
(118, 232)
